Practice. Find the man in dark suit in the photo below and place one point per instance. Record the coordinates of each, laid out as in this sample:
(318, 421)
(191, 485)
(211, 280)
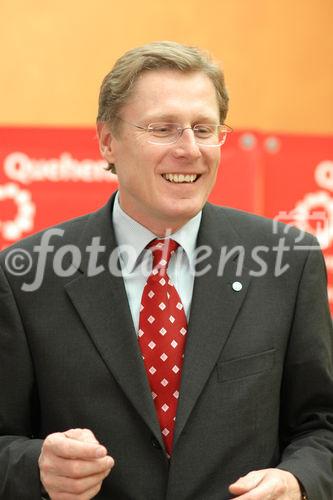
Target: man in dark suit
(254, 412)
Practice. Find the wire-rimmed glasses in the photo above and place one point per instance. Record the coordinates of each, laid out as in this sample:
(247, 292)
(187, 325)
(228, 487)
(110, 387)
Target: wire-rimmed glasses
(163, 133)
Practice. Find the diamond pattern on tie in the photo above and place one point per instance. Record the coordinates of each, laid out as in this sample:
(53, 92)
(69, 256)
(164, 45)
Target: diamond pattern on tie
(162, 335)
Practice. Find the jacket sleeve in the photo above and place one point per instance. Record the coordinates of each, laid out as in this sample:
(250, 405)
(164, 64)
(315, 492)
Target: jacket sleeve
(19, 414)
(307, 391)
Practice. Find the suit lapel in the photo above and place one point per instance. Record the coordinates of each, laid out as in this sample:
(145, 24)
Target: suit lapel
(214, 308)
(102, 305)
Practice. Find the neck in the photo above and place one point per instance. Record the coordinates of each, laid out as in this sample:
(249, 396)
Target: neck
(161, 228)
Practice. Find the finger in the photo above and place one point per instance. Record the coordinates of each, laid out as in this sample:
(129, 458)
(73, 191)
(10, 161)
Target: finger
(81, 435)
(246, 483)
(65, 447)
(74, 468)
(269, 487)
(82, 486)
(92, 492)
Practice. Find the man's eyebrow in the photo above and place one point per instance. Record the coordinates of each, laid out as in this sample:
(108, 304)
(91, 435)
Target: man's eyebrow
(161, 117)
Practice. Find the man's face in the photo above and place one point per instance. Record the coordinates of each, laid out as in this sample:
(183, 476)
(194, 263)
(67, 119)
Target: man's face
(145, 193)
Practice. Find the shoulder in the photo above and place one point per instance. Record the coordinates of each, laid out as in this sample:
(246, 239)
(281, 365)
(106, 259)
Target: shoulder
(255, 229)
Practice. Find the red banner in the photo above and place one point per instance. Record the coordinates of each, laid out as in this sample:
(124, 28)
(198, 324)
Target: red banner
(52, 174)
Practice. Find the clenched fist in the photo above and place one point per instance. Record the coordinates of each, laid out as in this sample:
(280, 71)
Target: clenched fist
(73, 465)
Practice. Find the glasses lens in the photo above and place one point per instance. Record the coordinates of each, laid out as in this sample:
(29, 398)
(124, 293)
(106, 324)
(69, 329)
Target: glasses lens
(163, 133)
(210, 135)
(204, 134)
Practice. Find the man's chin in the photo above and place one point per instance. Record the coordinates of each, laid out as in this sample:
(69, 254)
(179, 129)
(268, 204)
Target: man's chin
(180, 213)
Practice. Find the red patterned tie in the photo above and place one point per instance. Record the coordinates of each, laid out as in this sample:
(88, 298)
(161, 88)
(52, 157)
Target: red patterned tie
(162, 333)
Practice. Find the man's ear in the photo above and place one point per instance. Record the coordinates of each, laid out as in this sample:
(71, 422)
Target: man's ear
(105, 139)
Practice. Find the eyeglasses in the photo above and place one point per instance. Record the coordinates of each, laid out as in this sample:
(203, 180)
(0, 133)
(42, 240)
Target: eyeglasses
(205, 134)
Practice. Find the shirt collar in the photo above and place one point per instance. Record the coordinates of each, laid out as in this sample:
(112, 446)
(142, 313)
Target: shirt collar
(132, 234)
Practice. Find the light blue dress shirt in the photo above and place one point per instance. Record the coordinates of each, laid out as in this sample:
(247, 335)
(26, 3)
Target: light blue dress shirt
(136, 261)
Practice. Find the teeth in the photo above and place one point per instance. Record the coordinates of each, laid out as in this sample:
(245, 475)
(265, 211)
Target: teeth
(180, 177)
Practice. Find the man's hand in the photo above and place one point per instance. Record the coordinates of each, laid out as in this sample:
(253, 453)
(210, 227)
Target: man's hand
(73, 465)
(266, 484)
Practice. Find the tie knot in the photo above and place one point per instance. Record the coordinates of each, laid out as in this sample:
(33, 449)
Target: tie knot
(162, 251)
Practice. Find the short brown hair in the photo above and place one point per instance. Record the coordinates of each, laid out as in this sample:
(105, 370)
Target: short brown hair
(118, 84)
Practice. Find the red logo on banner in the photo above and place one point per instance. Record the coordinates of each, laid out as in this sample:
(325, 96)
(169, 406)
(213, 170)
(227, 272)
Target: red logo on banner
(47, 176)
(298, 188)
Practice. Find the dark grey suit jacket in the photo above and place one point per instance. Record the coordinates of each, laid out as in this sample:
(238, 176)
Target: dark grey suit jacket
(257, 385)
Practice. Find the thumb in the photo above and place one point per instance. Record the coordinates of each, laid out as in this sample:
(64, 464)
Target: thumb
(81, 435)
(246, 483)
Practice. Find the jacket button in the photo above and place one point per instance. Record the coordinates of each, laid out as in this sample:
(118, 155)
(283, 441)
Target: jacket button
(155, 443)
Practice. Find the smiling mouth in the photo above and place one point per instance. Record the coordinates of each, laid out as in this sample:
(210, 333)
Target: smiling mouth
(181, 178)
